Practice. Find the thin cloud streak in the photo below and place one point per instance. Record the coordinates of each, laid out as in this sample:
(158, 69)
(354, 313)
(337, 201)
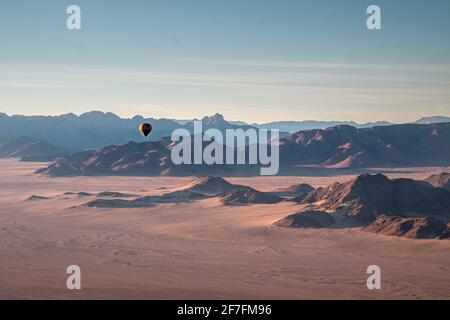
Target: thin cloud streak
(312, 65)
(329, 91)
(88, 77)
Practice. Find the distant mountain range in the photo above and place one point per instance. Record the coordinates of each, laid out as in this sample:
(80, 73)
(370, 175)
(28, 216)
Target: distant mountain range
(430, 120)
(97, 129)
(337, 147)
(295, 126)
(88, 131)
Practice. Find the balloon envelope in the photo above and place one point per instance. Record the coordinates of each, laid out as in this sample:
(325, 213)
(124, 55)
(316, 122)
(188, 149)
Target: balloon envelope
(145, 129)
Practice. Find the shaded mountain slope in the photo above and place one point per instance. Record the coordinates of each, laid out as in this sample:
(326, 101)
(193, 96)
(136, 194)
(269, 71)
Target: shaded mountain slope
(337, 147)
(294, 190)
(29, 149)
(131, 159)
(349, 147)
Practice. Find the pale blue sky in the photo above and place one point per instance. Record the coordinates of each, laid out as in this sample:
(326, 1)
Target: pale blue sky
(251, 60)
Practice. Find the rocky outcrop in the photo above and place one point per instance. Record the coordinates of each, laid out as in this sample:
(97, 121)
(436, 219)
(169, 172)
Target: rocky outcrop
(210, 185)
(247, 195)
(441, 180)
(415, 228)
(180, 196)
(306, 219)
(294, 190)
(399, 207)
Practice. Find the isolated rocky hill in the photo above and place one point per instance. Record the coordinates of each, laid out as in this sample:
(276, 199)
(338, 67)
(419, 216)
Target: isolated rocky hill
(198, 189)
(230, 194)
(369, 196)
(401, 207)
(248, 195)
(209, 185)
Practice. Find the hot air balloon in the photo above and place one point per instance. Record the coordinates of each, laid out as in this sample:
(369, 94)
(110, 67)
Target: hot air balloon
(145, 129)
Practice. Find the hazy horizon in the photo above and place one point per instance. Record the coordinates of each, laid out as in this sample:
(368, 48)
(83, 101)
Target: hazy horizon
(251, 61)
(214, 113)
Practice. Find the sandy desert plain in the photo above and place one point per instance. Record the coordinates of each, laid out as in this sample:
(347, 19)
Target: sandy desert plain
(197, 250)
